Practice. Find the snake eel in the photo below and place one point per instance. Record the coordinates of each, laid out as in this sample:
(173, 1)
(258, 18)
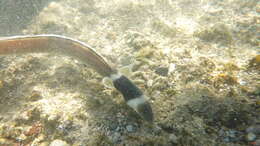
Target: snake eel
(49, 43)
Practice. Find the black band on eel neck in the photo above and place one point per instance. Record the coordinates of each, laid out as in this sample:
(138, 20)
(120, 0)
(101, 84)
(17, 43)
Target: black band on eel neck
(134, 97)
(127, 88)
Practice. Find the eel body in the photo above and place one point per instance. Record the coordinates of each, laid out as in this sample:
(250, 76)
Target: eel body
(133, 96)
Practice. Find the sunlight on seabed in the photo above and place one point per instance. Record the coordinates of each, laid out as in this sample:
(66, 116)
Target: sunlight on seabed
(187, 25)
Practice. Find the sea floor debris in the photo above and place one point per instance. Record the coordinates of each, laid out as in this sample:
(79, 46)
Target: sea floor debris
(197, 60)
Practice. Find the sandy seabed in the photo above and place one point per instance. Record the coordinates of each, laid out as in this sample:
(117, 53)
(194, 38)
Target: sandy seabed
(197, 60)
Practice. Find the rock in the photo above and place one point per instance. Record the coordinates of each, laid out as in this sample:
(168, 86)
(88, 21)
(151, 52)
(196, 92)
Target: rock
(130, 128)
(35, 96)
(255, 62)
(226, 139)
(172, 68)
(250, 136)
(1, 84)
(58, 142)
(116, 137)
(163, 71)
(173, 138)
(44, 144)
(257, 142)
(253, 129)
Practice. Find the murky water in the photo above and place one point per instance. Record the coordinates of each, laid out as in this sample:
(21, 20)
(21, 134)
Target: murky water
(196, 60)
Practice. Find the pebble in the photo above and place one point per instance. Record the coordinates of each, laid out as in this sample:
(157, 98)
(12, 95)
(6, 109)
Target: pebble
(226, 139)
(130, 128)
(58, 142)
(163, 71)
(253, 129)
(44, 144)
(231, 133)
(116, 137)
(35, 96)
(1, 84)
(172, 68)
(107, 82)
(126, 60)
(22, 137)
(257, 142)
(250, 136)
(118, 129)
(113, 126)
(173, 138)
(150, 83)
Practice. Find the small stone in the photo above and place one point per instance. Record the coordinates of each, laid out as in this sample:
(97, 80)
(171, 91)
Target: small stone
(41, 137)
(126, 70)
(150, 83)
(35, 96)
(255, 62)
(126, 60)
(250, 136)
(113, 126)
(173, 138)
(22, 137)
(172, 68)
(4, 141)
(253, 129)
(163, 71)
(130, 128)
(226, 139)
(58, 142)
(257, 142)
(116, 137)
(107, 82)
(232, 133)
(258, 102)
(44, 144)
(1, 84)
(118, 128)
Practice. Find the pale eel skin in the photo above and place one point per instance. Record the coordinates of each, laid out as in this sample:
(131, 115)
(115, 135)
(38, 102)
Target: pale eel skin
(49, 43)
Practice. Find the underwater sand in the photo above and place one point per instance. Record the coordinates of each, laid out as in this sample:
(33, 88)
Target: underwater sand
(197, 60)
